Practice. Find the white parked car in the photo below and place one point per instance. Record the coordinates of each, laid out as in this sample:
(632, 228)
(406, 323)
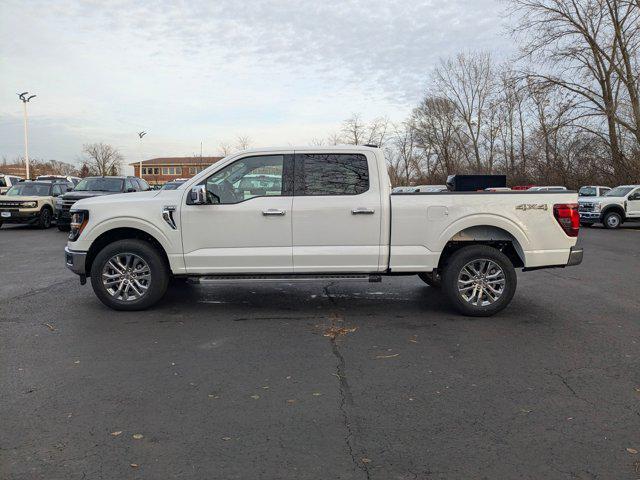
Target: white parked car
(617, 206)
(335, 218)
(554, 188)
(8, 181)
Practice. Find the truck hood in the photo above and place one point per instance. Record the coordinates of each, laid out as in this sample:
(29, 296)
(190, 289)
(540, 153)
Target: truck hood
(18, 198)
(86, 194)
(600, 199)
(115, 198)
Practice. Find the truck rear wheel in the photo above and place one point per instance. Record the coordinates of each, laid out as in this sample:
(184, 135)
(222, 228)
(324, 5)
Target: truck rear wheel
(129, 275)
(479, 280)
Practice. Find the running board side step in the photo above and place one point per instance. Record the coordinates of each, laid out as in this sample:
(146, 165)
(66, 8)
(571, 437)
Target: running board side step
(281, 278)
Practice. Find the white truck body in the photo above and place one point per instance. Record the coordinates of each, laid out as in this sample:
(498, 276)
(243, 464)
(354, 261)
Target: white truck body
(373, 232)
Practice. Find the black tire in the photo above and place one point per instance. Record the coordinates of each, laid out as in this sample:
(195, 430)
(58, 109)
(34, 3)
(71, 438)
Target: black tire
(64, 227)
(478, 253)
(158, 282)
(586, 224)
(433, 279)
(612, 220)
(44, 220)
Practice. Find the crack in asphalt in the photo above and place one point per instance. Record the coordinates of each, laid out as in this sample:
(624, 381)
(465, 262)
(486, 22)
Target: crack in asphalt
(346, 399)
(570, 388)
(38, 290)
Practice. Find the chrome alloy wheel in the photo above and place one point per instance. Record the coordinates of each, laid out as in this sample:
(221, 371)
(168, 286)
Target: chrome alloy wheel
(481, 282)
(126, 277)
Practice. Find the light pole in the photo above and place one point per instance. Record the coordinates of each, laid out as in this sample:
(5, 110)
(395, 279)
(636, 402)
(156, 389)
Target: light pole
(25, 100)
(140, 135)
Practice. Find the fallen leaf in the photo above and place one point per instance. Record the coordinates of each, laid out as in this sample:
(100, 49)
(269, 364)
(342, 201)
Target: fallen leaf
(134, 465)
(226, 439)
(138, 436)
(77, 362)
(211, 395)
(334, 331)
(366, 460)
(316, 394)
(632, 451)
(266, 387)
(116, 433)
(51, 327)
(388, 356)
(414, 339)
(292, 401)
(638, 389)
(255, 397)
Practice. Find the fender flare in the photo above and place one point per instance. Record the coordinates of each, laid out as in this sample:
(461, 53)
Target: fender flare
(130, 222)
(484, 220)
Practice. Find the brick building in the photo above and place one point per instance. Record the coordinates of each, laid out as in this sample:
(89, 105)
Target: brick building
(162, 170)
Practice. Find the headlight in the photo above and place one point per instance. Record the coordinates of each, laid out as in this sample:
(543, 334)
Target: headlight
(29, 204)
(596, 207)
(58, 201)
(79, 219)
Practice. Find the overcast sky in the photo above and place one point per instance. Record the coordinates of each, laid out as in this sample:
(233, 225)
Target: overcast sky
(281, 72)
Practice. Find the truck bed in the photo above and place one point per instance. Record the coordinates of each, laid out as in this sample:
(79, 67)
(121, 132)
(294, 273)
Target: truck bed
(422, 223)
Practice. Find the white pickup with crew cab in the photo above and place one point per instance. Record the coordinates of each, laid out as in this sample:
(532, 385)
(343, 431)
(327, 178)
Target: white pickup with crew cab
(317, 213)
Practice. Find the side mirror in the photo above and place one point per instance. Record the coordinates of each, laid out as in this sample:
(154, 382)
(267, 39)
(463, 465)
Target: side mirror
(129, 190)
(69, 189)
(198, 195)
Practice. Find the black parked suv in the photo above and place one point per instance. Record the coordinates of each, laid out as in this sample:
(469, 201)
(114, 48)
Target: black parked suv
(95, 187)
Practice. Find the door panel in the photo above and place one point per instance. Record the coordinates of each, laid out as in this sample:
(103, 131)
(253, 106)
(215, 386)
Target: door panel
(246, 225)
(633, 204)
(238, 238)
(335, 232)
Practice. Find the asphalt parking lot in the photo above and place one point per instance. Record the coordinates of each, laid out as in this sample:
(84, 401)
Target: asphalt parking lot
(320, 380)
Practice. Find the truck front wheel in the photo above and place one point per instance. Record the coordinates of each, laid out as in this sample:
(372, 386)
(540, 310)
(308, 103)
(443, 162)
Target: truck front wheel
(129, 275)
(479, 280)
(612, 220)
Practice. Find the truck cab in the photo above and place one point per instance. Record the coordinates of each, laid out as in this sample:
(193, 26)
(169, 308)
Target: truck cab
(317, 213)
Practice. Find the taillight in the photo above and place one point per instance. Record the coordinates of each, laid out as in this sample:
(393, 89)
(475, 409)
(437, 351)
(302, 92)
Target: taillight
(568, 217)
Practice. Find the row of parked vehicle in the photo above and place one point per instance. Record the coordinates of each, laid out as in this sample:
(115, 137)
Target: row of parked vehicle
(48, 198)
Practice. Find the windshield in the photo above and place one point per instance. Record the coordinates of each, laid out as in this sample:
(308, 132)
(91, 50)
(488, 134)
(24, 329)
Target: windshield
(3, 182)
(99, 184)
(30, 190)
(171, 185)
(618, 192)
(587, 192)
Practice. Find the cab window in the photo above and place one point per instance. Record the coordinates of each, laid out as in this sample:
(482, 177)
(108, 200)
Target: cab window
(249, 177)
(331, 174)
(56, 190)
(129, 186)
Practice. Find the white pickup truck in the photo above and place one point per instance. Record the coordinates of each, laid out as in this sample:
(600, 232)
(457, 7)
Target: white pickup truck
(315, 213)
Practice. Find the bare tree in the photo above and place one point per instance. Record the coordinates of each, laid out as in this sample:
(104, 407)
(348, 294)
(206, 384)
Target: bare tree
(243, 142)
(102, 159)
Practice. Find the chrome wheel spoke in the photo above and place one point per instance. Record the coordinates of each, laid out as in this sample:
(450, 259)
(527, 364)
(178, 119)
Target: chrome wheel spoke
(126, 277)
(481, 282)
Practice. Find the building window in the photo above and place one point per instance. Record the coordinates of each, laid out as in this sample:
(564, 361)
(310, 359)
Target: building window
(192, 170)
(178, 170)
(171, 171)
(165, 171)
(156, 171)
(144, 170)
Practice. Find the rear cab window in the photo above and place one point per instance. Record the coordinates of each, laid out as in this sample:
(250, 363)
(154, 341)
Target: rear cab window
(321, 174)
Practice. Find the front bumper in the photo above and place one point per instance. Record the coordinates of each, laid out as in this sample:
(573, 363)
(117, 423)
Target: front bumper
(63, 217)
(19, 216)
(75, 261)
(590, 216)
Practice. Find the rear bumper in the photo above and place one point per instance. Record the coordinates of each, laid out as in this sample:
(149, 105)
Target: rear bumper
(75, 261)
(575, 256)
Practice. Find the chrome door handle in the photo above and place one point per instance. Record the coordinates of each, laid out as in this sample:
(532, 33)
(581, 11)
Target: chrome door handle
(271, 212)
(363, 211)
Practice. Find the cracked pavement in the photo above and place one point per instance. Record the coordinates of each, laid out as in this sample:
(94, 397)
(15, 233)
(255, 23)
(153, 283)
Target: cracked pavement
(243, 381)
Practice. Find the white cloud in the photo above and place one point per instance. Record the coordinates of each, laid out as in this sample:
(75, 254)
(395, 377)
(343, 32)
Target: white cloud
(279, 71)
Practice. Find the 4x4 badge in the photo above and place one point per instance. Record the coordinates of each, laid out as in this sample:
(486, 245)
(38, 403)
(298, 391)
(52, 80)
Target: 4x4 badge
(532, 206)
